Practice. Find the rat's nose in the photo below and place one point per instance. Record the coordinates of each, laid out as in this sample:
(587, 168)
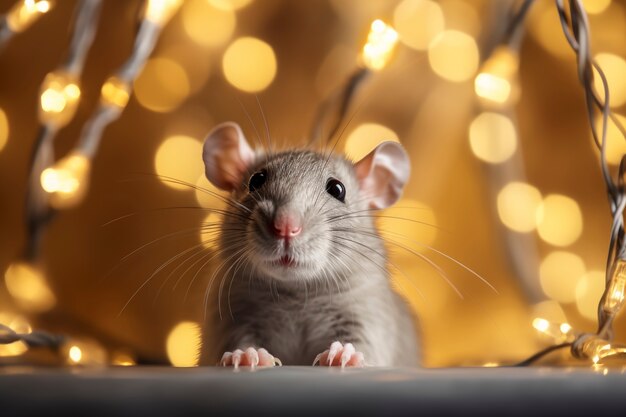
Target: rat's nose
(287, 225)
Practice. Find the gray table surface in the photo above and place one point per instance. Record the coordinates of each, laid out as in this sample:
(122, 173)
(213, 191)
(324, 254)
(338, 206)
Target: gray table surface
(300, 391)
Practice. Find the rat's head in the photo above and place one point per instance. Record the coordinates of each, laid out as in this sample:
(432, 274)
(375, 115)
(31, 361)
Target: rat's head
(297, 215)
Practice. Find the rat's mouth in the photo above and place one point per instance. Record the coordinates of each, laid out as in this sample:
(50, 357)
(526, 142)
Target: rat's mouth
(285, 261)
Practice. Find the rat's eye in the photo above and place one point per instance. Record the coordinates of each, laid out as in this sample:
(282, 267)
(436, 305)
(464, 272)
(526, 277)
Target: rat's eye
(257, 180)
(336, 189)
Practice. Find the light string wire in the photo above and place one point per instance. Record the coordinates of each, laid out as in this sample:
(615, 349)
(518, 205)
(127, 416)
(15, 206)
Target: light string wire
(22, 15)
(595, 346)
(114, 96)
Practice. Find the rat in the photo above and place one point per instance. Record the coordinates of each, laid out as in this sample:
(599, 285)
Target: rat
(304, 276)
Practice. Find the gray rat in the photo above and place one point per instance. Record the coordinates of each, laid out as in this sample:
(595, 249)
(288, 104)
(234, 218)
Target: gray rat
(303, 278)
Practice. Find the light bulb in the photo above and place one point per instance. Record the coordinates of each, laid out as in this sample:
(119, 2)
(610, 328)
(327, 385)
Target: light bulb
(496, 82)
(161, 11)
(60, 94)
(115, 93)
(381, 41)
(615, 294)
(67, 180)
(28, 286)
(26, 12)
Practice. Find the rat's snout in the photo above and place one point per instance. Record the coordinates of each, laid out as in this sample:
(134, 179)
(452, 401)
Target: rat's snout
(287, 223)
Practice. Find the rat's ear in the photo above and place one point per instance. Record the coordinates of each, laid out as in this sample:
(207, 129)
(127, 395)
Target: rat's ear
(383, 173)
(226, 156)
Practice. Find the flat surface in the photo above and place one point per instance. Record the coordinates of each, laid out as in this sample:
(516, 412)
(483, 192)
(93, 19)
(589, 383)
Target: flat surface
(298, 391)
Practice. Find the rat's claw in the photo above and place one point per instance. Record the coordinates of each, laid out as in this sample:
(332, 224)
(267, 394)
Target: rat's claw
(253, 357)
(226, 359)
(335, 347)
(237, 357)
(317, 359)
(348, 351)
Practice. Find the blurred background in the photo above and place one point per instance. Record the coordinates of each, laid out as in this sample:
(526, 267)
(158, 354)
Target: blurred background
(513, 192)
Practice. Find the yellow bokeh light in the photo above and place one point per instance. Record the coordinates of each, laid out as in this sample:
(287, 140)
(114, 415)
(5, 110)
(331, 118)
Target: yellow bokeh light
(122, 358)
(207, 25)
(179, 158)
(365, 138)
(75, 354)
(614, 68)
(454, 56)
(410, 223)
(4, 129)
(588, 293)
(230, 4)
(25, 13)
(59, 98)
(615, 141)
(559, 220)
(67, 181)
(596, 6)
(161, 11)
(418, 22)
(517, 203)
(249, 64)
(115, 92)
(206, 194)
(210, 231)
(559, 274)
(162, 85)
(28, 286)
(183, 344)
(381, 42)
(497, 82)
(549, 311)
(461, 15)
(493, 137)
(84, 352)
(19, 325)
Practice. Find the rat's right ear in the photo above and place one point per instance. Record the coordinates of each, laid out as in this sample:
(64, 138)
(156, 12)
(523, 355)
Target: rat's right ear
(227, 156)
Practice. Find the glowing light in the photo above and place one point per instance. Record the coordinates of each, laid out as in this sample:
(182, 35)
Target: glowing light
(230, 4)
(541, 324)
(162, 85)
(549, 310)
(25, 13)
(115, 93)
(122, 358)
(497, 82)
(418, 22)
(4, 129)
(381, 42)
(183, 344)
(615, 142)
(615, 294)
(588, 293)
(249, 64)
(365, 138)
(59, 99)
(411, 223)
(559, 274)
(67, 181)
(614, 68)
(28, 286)
(84, 352)
(208, 196)
(461, 15)
(161, 11)
(596, 6)
(491, 365)
(559, 220)
(19, 325)
(207, 25)
(210, 231)
(492, 137)
(179, 158)
(560, 332)
(453, 55)
(517, 203)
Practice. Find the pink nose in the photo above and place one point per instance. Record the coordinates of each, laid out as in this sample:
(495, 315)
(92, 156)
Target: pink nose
(286, 225)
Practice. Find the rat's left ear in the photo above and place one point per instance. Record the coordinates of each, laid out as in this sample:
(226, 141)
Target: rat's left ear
(383, 173)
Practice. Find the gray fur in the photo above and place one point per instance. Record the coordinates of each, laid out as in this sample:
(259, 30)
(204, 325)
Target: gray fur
(341, 292)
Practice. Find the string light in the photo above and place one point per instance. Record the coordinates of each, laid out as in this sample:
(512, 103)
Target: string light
(67, 180)
(381, 42)
(160, 12)
(614, 299)
(560, 332)
(26, 12)
(60, 93)
(84, 352)
(497, 80)
(28, 286)
(115, 92)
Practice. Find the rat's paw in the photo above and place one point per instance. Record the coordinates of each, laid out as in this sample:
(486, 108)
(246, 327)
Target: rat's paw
(340, 355)
(250, 357)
